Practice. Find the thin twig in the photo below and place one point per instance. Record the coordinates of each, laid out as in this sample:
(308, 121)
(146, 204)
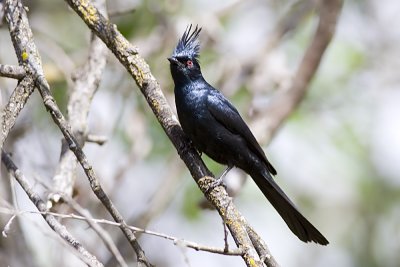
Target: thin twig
(60, 229)
(98, 139)
(140, 71)
(80, 210)
(14, 72)
(7, 227)
(104, 236)
(159, 201)
(175, 240)
(28, 56)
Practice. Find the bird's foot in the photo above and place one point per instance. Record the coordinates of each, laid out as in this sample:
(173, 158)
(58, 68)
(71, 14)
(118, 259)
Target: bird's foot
(218, 182)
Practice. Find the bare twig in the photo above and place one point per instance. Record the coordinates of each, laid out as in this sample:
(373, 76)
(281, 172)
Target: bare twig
(28, 56)
(159, 201)
(175, 240)
(98, 139)
(14, 72)
(121, 12)
(139, 69)
(14, 106)
(60, 229)
(104, 236)
(7, 227)
(86, 82)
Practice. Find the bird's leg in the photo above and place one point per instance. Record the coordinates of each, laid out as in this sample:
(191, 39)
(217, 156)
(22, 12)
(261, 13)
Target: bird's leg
(220, 180)
(221, 177)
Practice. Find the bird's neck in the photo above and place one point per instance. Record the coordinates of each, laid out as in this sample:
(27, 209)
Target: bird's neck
(185, 80)
(185, 89)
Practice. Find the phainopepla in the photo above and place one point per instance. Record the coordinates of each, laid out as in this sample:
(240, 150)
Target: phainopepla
(216, 128)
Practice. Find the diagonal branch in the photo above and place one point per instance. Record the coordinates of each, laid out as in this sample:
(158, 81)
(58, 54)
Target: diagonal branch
(28, 56)
(85, 84)
(140, 71)
(60, 229)
(261, 247)
(14, 106)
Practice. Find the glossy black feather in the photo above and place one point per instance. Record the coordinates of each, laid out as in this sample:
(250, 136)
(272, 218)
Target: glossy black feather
(227, 115)
(217, 129)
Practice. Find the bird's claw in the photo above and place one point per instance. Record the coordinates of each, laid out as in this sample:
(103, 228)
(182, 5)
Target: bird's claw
(217, 182)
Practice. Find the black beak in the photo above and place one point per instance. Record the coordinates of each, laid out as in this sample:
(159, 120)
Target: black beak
(173, 60)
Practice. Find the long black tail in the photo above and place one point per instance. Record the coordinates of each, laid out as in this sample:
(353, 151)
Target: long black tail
(299, 225)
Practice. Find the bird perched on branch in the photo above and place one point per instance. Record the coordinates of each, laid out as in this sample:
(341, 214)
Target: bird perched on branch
(216, 128)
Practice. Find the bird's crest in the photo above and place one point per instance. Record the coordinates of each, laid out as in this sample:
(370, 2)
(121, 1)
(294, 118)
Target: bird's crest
(188, 45)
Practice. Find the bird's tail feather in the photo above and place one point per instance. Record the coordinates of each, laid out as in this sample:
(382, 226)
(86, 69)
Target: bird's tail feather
(297, 223)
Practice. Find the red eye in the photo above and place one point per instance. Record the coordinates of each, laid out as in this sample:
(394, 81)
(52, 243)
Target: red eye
(189, 63)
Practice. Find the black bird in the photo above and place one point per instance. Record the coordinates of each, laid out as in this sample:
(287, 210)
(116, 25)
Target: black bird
(216, 128)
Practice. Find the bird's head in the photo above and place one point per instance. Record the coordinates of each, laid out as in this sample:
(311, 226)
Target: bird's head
(184, 61)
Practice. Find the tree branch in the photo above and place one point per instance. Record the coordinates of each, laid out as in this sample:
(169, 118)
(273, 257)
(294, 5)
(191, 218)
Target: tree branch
(14, 106)
(14, 72)
(28, 56)
(57, 227)
(86, 82)
(140, 71)
(261, 247)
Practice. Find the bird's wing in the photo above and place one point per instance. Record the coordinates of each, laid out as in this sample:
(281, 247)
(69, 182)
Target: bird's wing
(227, 115)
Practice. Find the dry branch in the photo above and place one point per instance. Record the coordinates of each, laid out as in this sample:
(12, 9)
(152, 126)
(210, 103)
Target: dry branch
(14, 72)
(60, 229)
(14, 106)
(86, 81)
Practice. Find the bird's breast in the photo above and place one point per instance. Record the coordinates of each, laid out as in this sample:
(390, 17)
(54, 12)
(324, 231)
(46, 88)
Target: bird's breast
(192, 113)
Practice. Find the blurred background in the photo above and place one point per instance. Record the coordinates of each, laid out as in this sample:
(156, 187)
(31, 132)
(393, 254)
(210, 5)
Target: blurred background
(337, 155)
